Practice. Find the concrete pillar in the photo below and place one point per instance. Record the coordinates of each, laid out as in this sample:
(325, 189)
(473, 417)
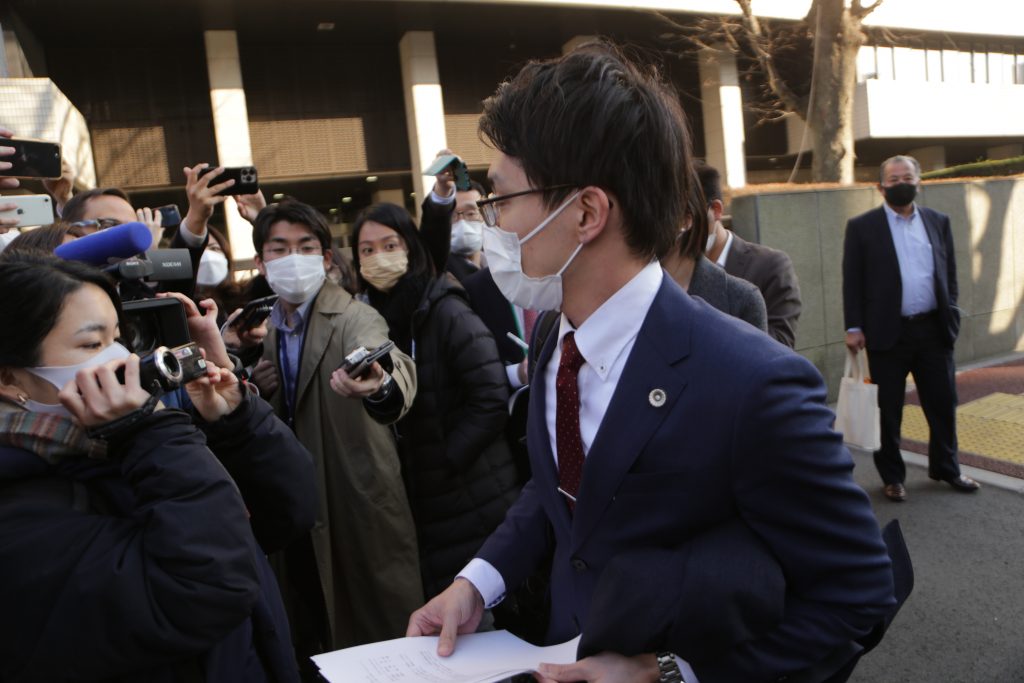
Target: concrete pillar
(393, 196)
(722, 107)
(1005, 151)
(575, 42)
(424, 107)
(230, 125)
(931, 158)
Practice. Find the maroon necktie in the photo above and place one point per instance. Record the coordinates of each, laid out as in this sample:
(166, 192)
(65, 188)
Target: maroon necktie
(529, 321)
(567, 419)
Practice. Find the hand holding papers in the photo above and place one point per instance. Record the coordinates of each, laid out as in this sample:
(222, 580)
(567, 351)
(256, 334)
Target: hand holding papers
(478, 658)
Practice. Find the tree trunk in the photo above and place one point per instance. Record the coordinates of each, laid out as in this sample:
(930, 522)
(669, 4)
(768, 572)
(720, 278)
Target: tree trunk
(837, 39)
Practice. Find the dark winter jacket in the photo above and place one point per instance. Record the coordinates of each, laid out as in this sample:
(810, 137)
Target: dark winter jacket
(144, 567)
(459, 472)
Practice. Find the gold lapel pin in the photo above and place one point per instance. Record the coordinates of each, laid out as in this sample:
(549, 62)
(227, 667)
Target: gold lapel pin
(657, 397)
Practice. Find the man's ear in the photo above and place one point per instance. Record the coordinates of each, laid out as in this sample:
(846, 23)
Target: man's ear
(596, 207)
(328, 259)
(717, 208)
(260, 266)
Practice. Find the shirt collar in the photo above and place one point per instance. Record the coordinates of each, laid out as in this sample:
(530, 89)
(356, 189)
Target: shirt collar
(724, 256)
(280, 320)
(603, 336)
(892, 215)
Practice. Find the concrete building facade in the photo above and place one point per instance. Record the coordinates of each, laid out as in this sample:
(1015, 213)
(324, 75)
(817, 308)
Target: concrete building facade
(342, 103)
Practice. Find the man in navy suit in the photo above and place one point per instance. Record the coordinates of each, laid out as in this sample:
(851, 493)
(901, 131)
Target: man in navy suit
(701, 512)
(899, 302)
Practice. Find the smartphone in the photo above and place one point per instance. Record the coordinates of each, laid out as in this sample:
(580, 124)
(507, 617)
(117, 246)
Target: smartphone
(254, 313)
(32, 158)
(458, 166)
(31, 209)
(357, 363)
(245, 177)
(169, 215)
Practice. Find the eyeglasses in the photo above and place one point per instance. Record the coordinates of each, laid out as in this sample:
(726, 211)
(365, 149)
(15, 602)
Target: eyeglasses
(468, 214)
(274, 252)
(490, 207)
(96, 223)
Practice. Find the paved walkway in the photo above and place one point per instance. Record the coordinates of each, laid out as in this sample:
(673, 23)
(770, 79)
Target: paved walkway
(964, 620)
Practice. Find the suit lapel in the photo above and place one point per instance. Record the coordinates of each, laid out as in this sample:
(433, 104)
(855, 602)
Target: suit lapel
(636, 411)
(319, 332)
(737, 262)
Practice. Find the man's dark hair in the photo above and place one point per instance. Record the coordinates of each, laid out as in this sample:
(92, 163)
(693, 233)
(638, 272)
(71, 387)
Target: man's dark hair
(593, 117)
(710, 182)
(474, 186)
(51, 280)
(293, 211)
(693, 241)
(74, 210)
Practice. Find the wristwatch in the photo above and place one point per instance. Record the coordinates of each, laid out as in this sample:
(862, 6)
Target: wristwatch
(383, 391)
(668, 668)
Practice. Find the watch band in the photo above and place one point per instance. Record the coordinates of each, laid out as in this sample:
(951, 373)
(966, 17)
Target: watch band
(668, 668)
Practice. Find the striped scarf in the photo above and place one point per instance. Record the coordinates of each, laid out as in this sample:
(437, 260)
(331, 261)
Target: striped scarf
(51, 437)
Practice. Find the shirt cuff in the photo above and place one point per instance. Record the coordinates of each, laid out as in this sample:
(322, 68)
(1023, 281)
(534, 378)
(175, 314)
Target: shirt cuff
(512, 371)
(486, 579)
(192, 240)
(854, 329)
(438, 199)
(686, 670)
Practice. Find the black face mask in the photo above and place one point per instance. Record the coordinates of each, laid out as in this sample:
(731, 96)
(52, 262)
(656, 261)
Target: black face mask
(900, 195)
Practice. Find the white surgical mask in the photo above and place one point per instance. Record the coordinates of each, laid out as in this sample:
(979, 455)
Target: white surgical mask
(213, 269)
(467, 237)
(296, 278)
(60, 375)
(504, 254)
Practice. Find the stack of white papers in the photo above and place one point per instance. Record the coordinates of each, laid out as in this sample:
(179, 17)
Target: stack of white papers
(478, 658)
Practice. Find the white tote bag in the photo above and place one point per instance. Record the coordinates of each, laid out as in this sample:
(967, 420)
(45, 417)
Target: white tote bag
(857, 409)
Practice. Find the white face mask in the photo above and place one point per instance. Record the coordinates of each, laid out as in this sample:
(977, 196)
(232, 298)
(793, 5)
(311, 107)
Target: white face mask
(60, 375)
(296, 278)
(213, 269)
(505, 259)
(467, 237)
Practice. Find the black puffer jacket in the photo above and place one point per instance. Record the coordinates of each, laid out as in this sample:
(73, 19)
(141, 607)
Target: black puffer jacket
(459, 472)
(144, 567)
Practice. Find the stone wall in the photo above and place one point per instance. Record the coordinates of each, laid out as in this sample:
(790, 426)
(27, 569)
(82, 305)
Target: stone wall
(987, 217)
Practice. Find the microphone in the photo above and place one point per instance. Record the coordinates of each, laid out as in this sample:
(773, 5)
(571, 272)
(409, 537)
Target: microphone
(118, 242)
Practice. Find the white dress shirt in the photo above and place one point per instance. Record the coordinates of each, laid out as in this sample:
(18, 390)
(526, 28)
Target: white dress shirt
(724, 256)
(917, 266)
(605, 340)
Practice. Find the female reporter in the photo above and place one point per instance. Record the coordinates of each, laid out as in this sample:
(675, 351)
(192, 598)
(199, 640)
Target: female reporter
(126, 550)
(460, 477)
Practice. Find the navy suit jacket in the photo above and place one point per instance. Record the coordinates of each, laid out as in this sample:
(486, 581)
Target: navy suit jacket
(872, 287)
(743, 435)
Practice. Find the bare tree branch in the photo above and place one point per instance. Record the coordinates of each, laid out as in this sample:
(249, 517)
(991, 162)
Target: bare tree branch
(859, 11)
(759, 44)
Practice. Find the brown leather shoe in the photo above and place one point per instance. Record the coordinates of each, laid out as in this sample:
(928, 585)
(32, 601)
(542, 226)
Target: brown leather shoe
(963, 484)
(895, 492)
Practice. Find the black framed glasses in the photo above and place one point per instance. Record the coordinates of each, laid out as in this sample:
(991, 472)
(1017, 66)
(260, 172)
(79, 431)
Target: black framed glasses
(491, 211)
(96, 223)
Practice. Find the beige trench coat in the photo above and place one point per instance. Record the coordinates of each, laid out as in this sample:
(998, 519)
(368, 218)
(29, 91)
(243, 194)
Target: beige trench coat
(364, 537)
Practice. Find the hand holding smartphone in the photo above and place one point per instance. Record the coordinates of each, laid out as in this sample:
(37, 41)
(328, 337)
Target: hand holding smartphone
(254, 313)
(32, 159)
(359, 362)
(245, 177)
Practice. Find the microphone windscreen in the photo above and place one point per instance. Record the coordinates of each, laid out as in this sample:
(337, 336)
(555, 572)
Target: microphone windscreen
(118, 242)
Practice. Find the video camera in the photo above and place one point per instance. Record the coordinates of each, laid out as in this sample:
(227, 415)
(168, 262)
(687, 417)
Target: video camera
(156, 329)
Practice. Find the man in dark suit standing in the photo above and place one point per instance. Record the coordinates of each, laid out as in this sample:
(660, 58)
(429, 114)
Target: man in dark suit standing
(661, 431)
(899, 302)
(770, 269)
